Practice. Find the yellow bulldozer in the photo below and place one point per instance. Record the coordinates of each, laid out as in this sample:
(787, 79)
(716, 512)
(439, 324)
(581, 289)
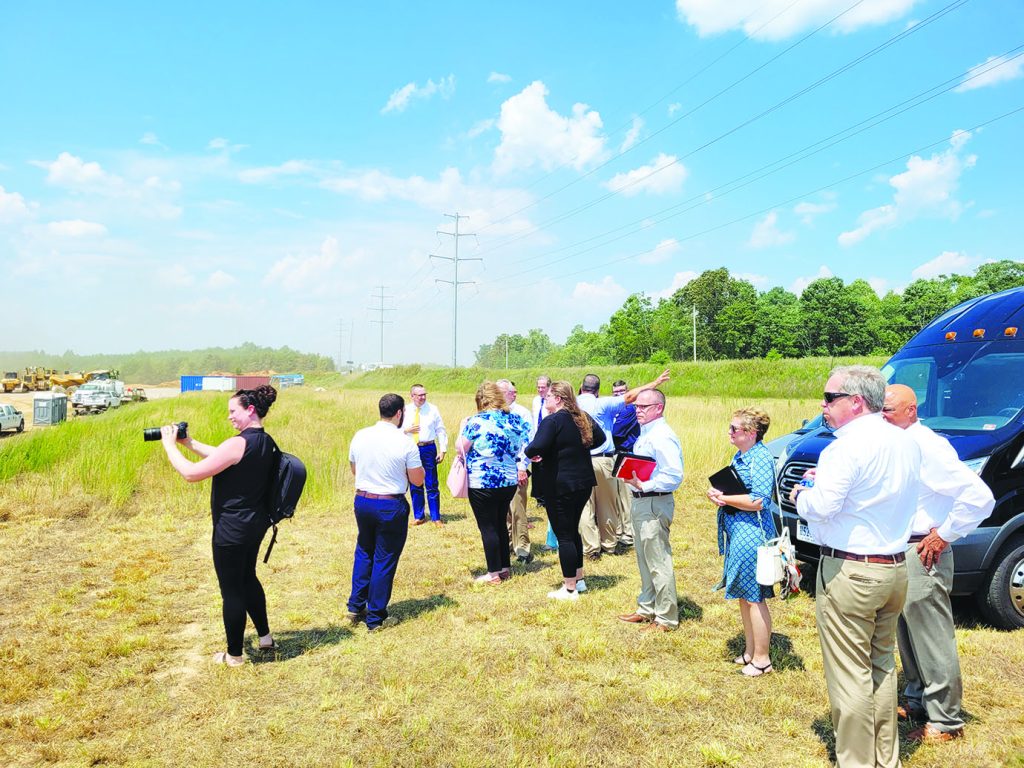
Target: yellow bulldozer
(33, 379)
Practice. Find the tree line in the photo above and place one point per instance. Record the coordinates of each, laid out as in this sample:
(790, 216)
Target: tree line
(830, 318)
(168, 365)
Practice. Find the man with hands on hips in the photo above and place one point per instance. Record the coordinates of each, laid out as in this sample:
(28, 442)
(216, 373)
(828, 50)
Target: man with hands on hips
(423, 424)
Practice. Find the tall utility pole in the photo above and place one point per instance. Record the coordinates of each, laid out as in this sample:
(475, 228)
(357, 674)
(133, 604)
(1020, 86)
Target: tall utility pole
(341, 341)
(695, 313)
(454, 282)
(382, 309)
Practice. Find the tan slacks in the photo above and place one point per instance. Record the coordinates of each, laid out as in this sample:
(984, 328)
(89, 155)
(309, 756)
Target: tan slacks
(518, 523)
(857, 606)
(625, 500)
(652, 520)
(600, 522)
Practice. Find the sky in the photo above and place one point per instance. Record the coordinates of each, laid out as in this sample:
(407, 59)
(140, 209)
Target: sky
(185, 175)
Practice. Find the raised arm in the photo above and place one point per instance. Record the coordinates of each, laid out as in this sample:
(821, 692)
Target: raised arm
(635, 391)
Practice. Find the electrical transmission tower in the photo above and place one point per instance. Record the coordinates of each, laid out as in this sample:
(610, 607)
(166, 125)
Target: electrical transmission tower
(382, 309)
(455, 282)
(351, 326)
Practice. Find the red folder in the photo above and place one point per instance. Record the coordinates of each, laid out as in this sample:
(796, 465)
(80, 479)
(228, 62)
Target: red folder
(628, 463)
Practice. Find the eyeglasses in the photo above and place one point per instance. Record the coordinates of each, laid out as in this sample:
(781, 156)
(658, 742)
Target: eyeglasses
(645, 406)
(888, 409)
(831, 397)
(733, 429)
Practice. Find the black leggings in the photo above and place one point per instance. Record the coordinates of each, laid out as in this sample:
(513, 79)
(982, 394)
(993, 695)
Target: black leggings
(490, 508)
(564, 514)
(241, 591)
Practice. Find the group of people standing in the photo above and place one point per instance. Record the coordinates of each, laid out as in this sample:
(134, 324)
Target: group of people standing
(885, 501)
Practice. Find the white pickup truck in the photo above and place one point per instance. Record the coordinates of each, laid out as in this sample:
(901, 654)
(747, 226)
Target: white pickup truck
(11, 418)
(96, 396)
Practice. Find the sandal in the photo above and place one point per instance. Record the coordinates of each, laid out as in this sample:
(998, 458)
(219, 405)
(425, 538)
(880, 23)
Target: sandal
(766, 669)
(223, 657)
(266, 648)
(742, 659)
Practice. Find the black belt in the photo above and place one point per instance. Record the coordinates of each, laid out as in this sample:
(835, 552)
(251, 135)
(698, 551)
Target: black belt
(645, 494)
(425, 442)
(839, 554)
(604, 455)
(916, 538)
(368, 495)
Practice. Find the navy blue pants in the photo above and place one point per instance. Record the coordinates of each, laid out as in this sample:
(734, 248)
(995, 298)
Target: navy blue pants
(428, 455)
(383, 527)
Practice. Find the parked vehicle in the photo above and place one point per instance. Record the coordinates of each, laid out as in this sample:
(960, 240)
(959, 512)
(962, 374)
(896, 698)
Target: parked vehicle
(96, 396)
(11, 418)
(967, 368)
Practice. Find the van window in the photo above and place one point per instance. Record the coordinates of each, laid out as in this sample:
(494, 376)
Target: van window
(963, 387)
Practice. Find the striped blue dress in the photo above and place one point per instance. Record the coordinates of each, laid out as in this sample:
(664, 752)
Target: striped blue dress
(740, 534)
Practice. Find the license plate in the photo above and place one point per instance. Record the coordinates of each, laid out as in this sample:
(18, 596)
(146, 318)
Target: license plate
(803, 533)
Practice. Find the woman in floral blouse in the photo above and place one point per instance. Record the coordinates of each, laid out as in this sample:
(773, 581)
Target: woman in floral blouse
(745, 521)
(491, 441)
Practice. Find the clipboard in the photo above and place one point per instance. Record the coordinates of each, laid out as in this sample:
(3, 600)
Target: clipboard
(728, 481)
(628, 463)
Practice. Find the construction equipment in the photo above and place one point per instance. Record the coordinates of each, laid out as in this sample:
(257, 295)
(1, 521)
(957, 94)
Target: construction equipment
(11, 381)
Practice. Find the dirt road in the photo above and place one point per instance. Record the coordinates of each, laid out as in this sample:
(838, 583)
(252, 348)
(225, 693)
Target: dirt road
(23, 402)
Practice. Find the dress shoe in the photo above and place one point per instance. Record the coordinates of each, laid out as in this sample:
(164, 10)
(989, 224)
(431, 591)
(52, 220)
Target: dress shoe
(355, 616)
(635, 618)
(390, 621)
(656, 627)
(909, 713)
(418, 521)
(929, 733)
(594, 556)
(439, 523)
(525, 559)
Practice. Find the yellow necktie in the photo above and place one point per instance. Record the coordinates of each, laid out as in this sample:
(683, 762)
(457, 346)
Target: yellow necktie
(416, 423)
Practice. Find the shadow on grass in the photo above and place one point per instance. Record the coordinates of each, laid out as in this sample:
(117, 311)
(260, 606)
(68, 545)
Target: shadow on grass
(407, 610)
(597, 583)
(290, 644)
(822, 727)
(689, 610)
(451, 518)
(780, 651)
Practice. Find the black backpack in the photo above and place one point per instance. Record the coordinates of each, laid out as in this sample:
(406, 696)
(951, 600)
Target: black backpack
(287, 481)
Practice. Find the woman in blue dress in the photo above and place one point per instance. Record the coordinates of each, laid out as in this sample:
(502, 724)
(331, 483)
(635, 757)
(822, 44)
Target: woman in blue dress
(745, 521)
(491, 442)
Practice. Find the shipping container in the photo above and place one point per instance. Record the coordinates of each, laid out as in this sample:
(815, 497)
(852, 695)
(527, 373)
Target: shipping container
(285, 380)
(49, 408)
(251, 382)
(218, 384)
(191, 383)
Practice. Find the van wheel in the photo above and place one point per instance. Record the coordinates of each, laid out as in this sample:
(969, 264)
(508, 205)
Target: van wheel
(1002, 597)
(21, 426)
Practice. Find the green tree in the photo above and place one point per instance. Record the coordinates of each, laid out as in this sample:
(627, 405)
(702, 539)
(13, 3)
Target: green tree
(710, 293)
(629, 330)
(586, 348)
(777, 325)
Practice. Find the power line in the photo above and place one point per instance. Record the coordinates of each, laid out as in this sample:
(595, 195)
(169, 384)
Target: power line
(455, 282)
(381, 309)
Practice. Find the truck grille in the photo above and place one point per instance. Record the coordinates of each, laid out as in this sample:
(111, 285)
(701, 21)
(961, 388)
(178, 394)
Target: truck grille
(791, 474)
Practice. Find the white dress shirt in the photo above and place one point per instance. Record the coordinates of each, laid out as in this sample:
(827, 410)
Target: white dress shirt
(602, 410)
(382, 454)
(658, 440)
(865, 489)
(952, 499)
(522, 462)
(431, 425)
(538, 412)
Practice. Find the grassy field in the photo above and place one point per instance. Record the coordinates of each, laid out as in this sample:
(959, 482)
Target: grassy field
(109, 613)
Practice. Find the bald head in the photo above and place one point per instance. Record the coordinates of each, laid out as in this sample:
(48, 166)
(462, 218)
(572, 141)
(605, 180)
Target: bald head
(900, 406)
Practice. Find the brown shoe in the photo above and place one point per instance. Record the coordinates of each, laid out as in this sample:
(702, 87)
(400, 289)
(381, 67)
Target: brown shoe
(439, 523)
(635, 618)
(656, 627)
(418, 521)
(929, 733)
(909, 713)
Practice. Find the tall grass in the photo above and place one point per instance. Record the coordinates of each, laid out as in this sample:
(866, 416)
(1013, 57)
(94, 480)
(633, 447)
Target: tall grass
(109, 611)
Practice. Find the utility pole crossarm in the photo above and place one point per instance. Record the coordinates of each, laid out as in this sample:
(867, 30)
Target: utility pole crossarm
(455, 282)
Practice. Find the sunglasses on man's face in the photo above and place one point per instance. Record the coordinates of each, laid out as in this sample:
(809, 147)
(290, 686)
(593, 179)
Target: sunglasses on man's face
(831, 397)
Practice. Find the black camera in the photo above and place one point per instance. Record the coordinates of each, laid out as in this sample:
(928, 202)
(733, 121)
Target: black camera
(153, 433)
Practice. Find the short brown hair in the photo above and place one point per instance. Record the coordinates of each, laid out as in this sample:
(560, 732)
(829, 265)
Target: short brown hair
(753, 419)
(489, 397)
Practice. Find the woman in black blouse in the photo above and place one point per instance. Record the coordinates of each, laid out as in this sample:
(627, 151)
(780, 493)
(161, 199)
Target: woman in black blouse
(241, 469)
(563, 442)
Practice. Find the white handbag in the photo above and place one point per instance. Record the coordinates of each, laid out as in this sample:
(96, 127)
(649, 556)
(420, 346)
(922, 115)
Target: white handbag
(769, 560)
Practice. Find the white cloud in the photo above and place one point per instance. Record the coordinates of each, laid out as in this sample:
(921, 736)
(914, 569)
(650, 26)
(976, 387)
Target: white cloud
(498, 77)
(175, 276)
(663, 251)
(76, 228)
(534, 134)
(270, 173)
(996, 69)
(674, 107)
(767, 234)
(801, 283)
(606, 291)
(925, 189)
(880, 285)
(808, 211)
(632, 134)
(400, 98)
(151, 139)
(678, 281)
(664, 175)
(220, 144)
(12, 207)
(758, 281)
(220, 279)
(71, 171)
(946, 263)
(712, 17)
(481, 126)
(317, 273)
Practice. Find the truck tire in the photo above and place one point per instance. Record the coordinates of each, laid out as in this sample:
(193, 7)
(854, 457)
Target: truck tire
(21, 426)
(1002, 598)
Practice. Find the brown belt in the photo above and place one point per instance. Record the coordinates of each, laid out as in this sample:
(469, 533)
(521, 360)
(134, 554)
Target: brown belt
(916, 538)
(369, 495)
(839, 554)
(425, 442)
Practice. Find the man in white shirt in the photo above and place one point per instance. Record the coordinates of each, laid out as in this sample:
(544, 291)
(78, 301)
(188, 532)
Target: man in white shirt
(518, 523)
(602, 517)
(653, 507)
(952, 502)
(860, 510)
(423, 424)
(384, 463)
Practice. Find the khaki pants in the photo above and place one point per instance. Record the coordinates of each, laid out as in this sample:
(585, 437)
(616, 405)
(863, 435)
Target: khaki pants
(600, 521)
(652, 519)
(927, 642)
(518, 524)
(857, 606)
(625, 531)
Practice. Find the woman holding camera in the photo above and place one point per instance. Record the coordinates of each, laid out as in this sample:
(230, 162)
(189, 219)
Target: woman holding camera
(241, 468)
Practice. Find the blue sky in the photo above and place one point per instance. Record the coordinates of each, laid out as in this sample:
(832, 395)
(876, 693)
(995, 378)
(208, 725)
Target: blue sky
(186, 175)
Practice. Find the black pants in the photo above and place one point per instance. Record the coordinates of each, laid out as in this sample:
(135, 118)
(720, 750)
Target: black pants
(241, 591)
(490, 508)
(564, 513)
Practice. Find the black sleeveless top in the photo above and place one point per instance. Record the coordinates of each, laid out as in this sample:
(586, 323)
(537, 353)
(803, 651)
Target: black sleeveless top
(238, 498)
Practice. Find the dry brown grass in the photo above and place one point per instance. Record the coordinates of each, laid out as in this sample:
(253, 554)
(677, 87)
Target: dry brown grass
(108, 616)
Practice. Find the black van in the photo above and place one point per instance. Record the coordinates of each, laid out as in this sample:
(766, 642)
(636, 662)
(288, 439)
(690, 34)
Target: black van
(967, 368)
